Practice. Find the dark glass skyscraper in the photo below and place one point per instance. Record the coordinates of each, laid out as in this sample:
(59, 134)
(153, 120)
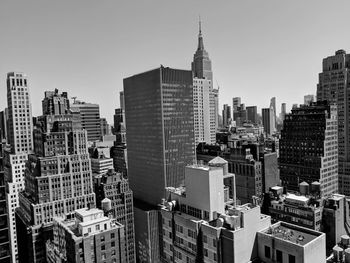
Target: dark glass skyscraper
(160, 130)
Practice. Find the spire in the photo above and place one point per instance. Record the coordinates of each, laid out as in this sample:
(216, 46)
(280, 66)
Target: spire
(200, 38)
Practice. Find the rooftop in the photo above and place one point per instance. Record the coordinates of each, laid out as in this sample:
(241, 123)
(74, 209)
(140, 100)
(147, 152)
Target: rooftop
(292, 233)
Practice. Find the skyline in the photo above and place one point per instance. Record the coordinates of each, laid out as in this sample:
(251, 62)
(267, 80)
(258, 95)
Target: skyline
(89, 47)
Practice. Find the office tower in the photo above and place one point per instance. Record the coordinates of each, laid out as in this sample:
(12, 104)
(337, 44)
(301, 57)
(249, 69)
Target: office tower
(309, 147)
(308, 99)
(267, 120)
(120, 158)
(236, 102)
(105, 129)
(55, 103)
(160, 133)
(252, 114)
(3, 124)
(240, 115)
(20, 139)
(226, 115)
(201, 65)
(5, 249)
(160, 139)
(204, 111)
(88, 236)
(199, 225)
(273, 106)
(204, 96)
(283, 111)
(90, 119)
(20, 113)
(112, 187)
(58, 181)
(333, 84)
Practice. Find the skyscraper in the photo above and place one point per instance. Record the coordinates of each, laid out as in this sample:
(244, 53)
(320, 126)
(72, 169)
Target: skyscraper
(226, 115)
(20, 138)
(309, 147)
(58, 181)
(252, 114)
(267, 120)
(236, 102)
(201, 65)
(333, 86)
(90, 119)
(160, 130)
(273, 106)
(283, 111)
(204, 96)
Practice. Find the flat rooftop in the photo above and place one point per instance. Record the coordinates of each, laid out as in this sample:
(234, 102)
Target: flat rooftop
(292, 233)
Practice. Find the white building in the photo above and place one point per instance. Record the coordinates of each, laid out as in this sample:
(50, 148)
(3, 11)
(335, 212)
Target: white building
(20, 129)
(204, 111)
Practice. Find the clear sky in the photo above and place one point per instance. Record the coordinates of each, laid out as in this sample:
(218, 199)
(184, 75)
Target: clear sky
(259, 49)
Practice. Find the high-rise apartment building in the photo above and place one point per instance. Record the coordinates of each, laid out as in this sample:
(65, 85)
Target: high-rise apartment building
(58, 181)
(20, 138)
(115, 188)
(226, 115)
(160, 130)
(204, 96)
(308, 148)
(88, 236)
(333, 86)
(268, 120)
(90, 119)
(252, 114)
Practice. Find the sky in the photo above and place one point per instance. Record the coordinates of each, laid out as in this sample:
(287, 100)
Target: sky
(259, 49)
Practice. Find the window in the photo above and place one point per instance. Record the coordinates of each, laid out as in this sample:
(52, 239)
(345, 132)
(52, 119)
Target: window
(102, 238)
(206, 252)
(267, 252)
(291, 259)
(103, 256)
(279, 256)
(112, 244)
(205, 239)
(97, 227)
(103, 247)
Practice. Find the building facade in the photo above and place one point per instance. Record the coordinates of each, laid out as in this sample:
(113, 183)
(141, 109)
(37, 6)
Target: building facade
(309, 147)
(113, 187)
(333, 85)
(268, 121)
(58, 181)
(88, 236)
(20, 138)
(90, 119)
(160, 130)
(5, 249)
(226, 116)
(252, 114)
